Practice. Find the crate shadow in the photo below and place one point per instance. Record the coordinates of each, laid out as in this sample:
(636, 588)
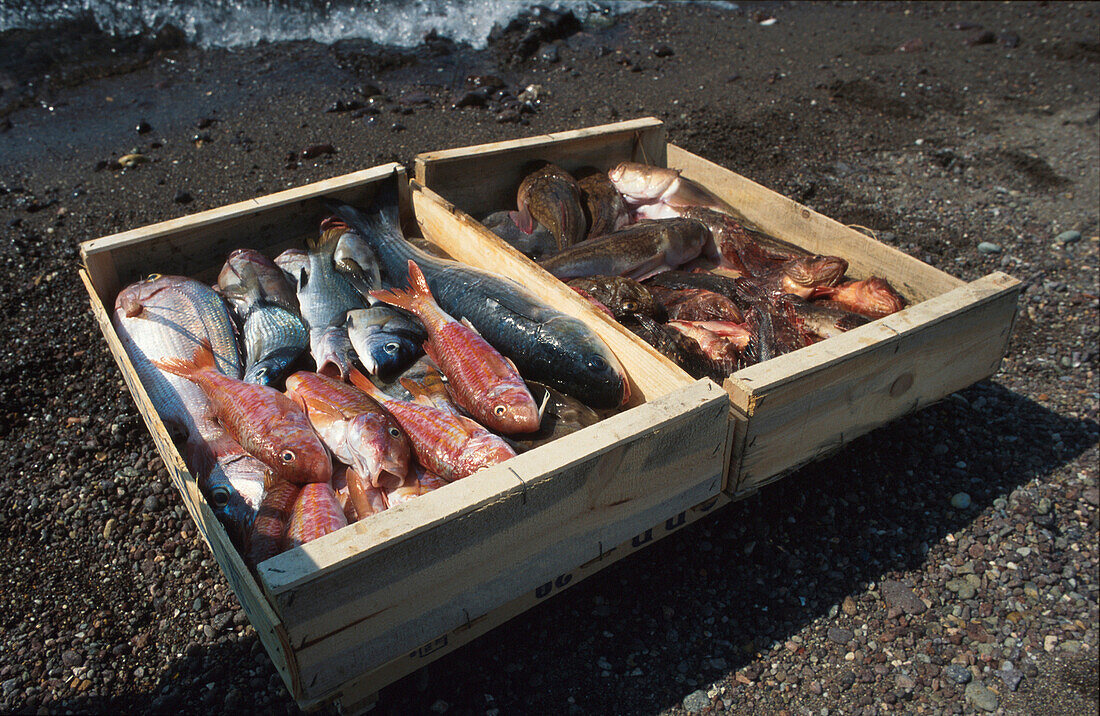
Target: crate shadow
(707, 600)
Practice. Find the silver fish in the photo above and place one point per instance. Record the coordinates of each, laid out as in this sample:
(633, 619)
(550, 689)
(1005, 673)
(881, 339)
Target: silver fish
(326, 297)
(291, 262)
(249, 279)
(354, 259)
(386, 339)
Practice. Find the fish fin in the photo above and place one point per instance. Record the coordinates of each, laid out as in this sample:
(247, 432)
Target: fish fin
(131, 306)
(303, 277)
(823, 292)
(545, 402)
(471, 424)
(396, 297)
(418, 392)
(523, 220)
(203, 358)
(417, 282)
(364, 384)
(466, 322)
(430, 352)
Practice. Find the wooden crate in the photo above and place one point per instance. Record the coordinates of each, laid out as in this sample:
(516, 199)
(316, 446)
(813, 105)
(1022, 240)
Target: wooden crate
(797, 407)
(355, 610)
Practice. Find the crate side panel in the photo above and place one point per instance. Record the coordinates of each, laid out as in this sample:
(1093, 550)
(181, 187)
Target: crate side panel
(483, 179)
(789, 220)
(802, 407)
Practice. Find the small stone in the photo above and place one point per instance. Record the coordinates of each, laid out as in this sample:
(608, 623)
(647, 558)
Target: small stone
(662, 51)
(397, 127)
(550, 54)
(317, 150)
(961, 587)
(1068, 237)
(846, 679)
(696, 701)
(197, 604)
(183, 197)
(71, 658)
(958, 673)
(143, 127)
(208, 631)
(205, 122)
(240, 618)
(849, 607)
(983, 37)
(151, 503)
(960, 501)
(980, 696)
(897, 594)
(1009, 39)
(840, 635)
(1011, 678)
(1043, 505)
(109, 527)
(905, 682)
(440, 706)
(815, 688)
(10, 685)
(988, 247)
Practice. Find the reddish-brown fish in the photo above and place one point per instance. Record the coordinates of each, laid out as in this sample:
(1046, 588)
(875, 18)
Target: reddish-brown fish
(697, 304)
(353, 426)
(316, 513)
(449, 445)
(872, 297)
(264, 421)
(269, 528)
(551, 197)
(482, 381)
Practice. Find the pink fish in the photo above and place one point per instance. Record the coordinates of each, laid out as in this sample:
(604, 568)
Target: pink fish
(316, 513)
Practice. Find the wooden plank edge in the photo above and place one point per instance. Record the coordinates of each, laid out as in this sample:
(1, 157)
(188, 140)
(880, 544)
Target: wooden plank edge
(293, 568)
(748, 386)
(422, 160)
(260, 613)
(242, 208)
(372, 682)
(693, 164)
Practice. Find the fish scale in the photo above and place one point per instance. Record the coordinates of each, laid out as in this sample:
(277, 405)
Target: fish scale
(316, 513)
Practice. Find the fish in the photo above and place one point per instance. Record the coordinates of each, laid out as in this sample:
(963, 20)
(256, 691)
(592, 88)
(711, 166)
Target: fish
(545, 344)
(561, 415)
(353, 426)
(637, 251)
(265, 422)
(354, 258)
(419, 482)
(551, 197)
(604, 208)
(431, 389)
(326, 297)
(736, 334)
(596, 303)
(365, 499)
(268, 536)
(386, 339)
(482, 381)
(415, 372)
(663, 191)
(249, 279)
(721, 343)
(697, 304)
(235, 483)
(291, 262)
(534, 244)
(623, 296)
(823, 321)
(316, 513)
(449, 445)
(677, 347)
(741, 248)
(273, 333)
(803, 276)
(872, 297)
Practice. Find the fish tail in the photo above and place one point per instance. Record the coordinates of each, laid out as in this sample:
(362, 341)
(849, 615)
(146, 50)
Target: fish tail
(202, 359)
(363, 383)
(409, 300)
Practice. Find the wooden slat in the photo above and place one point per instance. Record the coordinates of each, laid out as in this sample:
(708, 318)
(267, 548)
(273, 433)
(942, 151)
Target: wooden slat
(489, 182)
(367, 594)
(804, 404)
(359, 690)
(252, 599)
(651, 374)
(196, 245)
(789, 220)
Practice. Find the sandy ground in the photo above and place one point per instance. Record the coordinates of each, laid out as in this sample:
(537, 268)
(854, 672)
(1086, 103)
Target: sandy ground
(938, 126)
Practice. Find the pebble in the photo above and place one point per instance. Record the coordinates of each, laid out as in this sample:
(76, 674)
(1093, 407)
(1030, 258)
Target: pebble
(961, 587)
(840, 635)
(980, 696)
(183, 197)
(151, 503)
(71, 658)
(440, 706)
(550, 54)
(849, 606)
(960, 501)
(143, 127)
(1068, 237)
(988, 247)
(958, 673)
(1011, 678)
(109, 527)
(662, 51)
(696, 701)
(899, 595)
(317, 150)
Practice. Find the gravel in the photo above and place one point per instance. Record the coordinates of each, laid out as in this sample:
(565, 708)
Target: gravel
(937, 599)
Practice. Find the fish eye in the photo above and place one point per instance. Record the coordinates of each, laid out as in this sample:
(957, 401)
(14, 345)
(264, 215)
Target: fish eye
(629, 306)
(287, 456)
(260, 372)
(596, 363)
(391, 347)
(394, 432)
(500, 410)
